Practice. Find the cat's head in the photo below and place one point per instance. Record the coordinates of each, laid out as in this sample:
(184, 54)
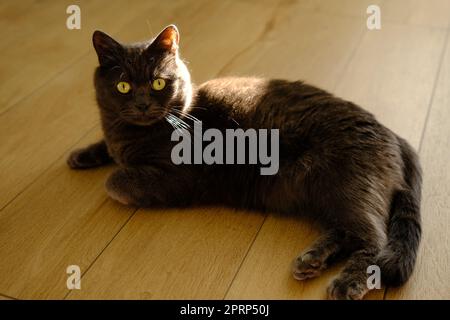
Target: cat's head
(141, 83)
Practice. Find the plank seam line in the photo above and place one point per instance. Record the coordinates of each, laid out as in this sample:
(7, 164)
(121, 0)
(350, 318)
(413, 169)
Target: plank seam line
(7, 296)
(106, 246)
(351, 57)
(433, 92)
(270, 25)
(55, 76)
(48, 168)
(245, 256)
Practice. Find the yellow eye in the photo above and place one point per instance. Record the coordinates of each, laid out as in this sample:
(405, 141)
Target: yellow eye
(123, 87)
(158, 84)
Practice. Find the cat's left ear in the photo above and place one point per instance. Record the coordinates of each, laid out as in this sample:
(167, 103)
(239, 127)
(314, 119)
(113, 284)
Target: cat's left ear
(168, 39)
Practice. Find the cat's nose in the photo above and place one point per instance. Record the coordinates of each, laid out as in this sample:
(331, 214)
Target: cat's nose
(142, 107)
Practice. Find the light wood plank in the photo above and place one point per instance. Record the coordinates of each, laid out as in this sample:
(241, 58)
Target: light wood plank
(18, 19)
(355, 9)
(431, 279)
(391, 52)
(431, 13)
(179, 254)
(301, 45)
(45, 125)
(4, 298)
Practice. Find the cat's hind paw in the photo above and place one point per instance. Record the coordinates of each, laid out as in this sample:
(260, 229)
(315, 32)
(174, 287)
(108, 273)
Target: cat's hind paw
(117, 186)
(307, 266)
(347, 288)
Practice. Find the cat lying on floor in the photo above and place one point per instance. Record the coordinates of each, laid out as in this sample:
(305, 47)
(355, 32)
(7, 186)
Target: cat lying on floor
(337, 164)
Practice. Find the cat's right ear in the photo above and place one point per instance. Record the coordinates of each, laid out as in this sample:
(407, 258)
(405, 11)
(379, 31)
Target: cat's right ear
(108, 50)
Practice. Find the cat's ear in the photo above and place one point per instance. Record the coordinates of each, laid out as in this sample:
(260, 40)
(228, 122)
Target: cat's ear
(167, 40)
(108, 50)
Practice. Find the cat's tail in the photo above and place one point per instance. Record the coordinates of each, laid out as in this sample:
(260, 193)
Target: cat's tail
(398, 258)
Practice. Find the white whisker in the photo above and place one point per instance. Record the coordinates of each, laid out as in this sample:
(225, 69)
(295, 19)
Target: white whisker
(179, 121)
(174, 124)
(188, 116)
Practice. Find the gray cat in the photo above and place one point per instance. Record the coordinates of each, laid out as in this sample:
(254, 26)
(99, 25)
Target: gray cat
(338, 165)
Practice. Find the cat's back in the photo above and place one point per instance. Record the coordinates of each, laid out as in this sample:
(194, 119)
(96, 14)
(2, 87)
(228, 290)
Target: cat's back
(304, 115)
(232, 92)
(274, 102)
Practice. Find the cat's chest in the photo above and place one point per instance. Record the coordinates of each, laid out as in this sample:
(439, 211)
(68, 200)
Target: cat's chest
(138, 150)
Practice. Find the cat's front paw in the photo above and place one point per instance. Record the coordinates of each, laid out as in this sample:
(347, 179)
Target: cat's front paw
(82, 159)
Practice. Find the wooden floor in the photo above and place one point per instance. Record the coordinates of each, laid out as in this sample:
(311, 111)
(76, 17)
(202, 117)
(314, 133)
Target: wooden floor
(52, 217)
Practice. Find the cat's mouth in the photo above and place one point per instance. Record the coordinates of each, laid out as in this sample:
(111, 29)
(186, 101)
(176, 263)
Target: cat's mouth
(144, 119)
